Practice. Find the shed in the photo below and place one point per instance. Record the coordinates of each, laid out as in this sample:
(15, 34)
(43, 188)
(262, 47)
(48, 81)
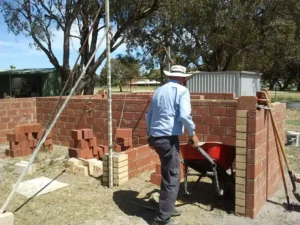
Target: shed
(30, 82)
(242, 83)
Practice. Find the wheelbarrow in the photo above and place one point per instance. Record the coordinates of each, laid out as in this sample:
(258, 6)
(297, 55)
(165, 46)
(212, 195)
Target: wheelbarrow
(211, 160)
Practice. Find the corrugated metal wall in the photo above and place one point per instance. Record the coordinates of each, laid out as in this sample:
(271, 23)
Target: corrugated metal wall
(221, 82)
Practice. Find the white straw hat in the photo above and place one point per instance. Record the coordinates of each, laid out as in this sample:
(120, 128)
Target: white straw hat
(177, 71)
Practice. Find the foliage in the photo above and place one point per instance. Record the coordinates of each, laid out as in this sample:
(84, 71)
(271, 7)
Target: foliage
(123, 68)
(42, 20)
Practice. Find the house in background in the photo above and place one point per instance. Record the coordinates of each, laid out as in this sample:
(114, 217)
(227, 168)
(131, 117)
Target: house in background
(30, 82)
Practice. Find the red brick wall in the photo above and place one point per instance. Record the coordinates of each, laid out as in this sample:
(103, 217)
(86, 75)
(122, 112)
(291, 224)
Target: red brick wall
(219, 96)
(263, 171)
(141, 159)
(15, 111)
(80, 113)
(213, 118)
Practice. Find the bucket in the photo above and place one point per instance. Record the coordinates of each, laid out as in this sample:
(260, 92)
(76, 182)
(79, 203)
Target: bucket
(293, 138)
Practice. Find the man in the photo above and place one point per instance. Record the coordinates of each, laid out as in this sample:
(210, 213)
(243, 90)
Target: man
(168, 115)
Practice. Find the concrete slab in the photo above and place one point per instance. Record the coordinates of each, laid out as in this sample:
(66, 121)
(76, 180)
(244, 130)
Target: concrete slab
(39, 186)
(7, 218)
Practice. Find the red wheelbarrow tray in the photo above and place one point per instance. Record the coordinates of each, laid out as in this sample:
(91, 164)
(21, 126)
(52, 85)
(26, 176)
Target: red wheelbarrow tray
(224, 155)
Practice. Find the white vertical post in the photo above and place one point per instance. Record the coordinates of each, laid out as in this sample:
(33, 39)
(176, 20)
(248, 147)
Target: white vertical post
(110, 145)
(169, 53)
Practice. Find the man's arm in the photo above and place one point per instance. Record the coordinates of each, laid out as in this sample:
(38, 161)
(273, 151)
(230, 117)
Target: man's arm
(148, 119)
(185, 113)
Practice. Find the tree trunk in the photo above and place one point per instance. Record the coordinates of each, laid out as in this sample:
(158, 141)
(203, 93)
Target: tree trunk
(89, 84)
(121, 90)
(298, 87)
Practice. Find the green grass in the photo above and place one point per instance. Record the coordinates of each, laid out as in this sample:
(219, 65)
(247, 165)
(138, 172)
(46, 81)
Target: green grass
(293, 122)
(284, 96)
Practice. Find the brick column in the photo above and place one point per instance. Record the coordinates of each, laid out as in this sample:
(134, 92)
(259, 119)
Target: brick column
(241, 153)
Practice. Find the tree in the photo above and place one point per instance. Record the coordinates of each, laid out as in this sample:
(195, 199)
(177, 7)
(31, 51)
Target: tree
(41, 19)
(123, 69)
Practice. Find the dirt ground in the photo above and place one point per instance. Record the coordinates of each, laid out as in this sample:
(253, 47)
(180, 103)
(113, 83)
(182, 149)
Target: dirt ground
(86, 201)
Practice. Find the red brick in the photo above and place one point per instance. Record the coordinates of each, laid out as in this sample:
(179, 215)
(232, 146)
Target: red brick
(217, 111)
(36, 127)
(80, 144)
(231, 141)
(24, 144)
(231, 111)
(105, 148)
(257, 139)
(228, 121)
(22, 137)
(247, 103)
(78, 153)
(123, 133)
(146, 167)
(211, 120)
(218, 130)
(31, 143)
(76, 134)
(158, 169)
(27, 128)
(128, 142)
(131, 154)
(92, 142)
(211, 137)
(230, 131)
(254, 170)
(197, 119)
(155, 179)
(254, 114)
(203, 129)
(29, 136)
(14, 145)
(143, 151)
(256, 125)
(86, 133)
(20, 129)
(118, 148)
(48, 142)
(13, 137)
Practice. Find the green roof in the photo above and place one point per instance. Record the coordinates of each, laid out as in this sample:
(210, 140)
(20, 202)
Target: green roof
(27, 71)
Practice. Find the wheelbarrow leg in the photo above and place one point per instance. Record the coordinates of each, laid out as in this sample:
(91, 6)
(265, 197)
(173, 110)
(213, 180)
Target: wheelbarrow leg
(185, 180)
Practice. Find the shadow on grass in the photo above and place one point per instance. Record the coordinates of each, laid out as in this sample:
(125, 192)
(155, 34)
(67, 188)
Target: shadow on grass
(292, 207)
(204, 197)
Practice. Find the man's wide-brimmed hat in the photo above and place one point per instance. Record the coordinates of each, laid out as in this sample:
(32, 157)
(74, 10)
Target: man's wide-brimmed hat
(177, 71)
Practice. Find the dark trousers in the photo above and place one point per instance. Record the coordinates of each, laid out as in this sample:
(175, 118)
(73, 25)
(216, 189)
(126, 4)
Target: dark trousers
(168, 150)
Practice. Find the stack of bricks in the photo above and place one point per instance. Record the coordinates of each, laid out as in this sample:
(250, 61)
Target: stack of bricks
(241, 152)
(123, 139)
(84, 145)
(24, 140)
(120, 169)
(77, 167)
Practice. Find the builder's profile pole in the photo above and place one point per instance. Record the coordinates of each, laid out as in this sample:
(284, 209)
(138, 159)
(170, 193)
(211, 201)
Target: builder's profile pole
(110, 145)
(169, 64)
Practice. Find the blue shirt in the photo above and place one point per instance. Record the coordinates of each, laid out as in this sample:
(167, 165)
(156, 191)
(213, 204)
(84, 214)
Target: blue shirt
(170, 111)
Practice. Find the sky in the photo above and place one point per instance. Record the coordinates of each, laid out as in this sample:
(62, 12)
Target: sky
(16, 50)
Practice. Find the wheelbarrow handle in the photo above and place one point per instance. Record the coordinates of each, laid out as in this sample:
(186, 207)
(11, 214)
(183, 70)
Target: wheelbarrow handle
(202, 152)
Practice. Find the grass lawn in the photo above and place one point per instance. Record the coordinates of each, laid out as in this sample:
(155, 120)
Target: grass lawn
(284, 96)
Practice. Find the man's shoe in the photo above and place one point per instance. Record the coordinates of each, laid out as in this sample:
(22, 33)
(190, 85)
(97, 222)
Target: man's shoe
(176, 212)
(171, 222)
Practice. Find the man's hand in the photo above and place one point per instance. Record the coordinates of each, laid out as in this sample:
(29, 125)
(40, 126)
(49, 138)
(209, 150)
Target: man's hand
(194, 141)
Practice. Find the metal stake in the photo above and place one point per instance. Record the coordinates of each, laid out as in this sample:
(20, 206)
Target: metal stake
(110, 144)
